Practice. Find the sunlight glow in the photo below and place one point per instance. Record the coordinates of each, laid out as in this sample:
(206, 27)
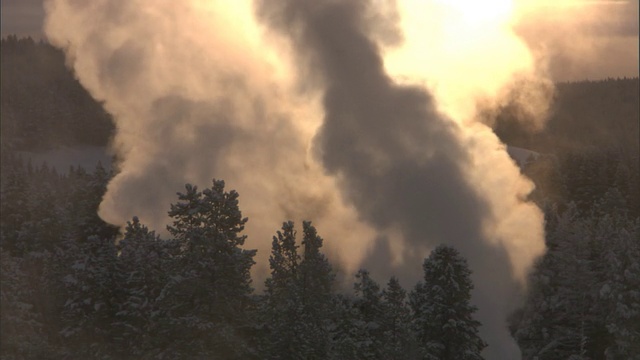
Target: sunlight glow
(473, 11)
(467, 52)
(462, 50)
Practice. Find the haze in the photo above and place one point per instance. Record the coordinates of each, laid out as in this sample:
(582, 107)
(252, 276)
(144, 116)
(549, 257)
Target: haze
(358, 115)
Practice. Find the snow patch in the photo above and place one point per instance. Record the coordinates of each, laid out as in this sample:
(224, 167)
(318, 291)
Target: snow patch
(522, 156)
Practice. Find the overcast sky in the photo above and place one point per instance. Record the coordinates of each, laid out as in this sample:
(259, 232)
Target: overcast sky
(609, 47)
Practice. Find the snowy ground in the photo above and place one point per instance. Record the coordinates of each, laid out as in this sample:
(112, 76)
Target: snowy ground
(522, 156)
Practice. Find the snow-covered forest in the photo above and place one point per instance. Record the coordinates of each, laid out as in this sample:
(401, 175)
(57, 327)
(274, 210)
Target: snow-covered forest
(72, 288)
(70, 291)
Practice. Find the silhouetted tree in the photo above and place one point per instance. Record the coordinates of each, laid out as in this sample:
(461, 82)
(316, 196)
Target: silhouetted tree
(316, 282)
(208, 296)
(282, 303)
(442, 315)
(399, 342)
(143, 260)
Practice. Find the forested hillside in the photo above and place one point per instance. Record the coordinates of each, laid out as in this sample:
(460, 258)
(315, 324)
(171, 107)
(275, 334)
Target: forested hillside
(42, 105)
(585, 115)
(583, 300)
(69, 290)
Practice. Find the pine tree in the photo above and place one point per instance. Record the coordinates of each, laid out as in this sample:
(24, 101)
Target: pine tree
(370, 317)
(143, 259)
(14, 211)
(45, 230)
(316, 282)
(297, 304)
(357, 325)
(208, 297)
(282, 305)
(442, 315)
(91, 287)
(85, 191)
(621, 293)
(284, 261)
(344, 330)
(565, 313)
(575, 321)
(396, 319)
(22, 328)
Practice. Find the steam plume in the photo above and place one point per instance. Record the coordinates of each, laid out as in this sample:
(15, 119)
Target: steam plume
(406, 166)
(372, 139)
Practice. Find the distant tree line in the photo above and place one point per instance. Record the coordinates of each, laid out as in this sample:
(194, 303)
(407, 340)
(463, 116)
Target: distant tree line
(71, 291)
(585, 116)
(604, 181)
(42, 105)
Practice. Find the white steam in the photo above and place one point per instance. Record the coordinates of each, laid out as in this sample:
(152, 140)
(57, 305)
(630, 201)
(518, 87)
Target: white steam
(199, 90)
(195, 96)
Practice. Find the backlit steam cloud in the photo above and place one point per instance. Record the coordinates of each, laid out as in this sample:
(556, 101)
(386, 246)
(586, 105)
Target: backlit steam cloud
(349, 113)
(193, 99)
(582, 38)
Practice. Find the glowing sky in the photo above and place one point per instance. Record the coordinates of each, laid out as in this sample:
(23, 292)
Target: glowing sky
(585, 39)
(325, 117)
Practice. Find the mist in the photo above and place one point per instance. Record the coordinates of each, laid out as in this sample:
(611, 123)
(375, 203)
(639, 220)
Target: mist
(582, 39)
(348, 113)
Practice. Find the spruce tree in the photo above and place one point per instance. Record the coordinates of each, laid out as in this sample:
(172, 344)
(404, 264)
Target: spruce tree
(370, 317)
(91, 289)
(45, 230)
(207, 299)
(316, 283)
(397, 333)
(442, 315)
(21, 325)
(345, 329)
(14, 211)
(573, 290)
(297, 304)
(282, 307)
(621, 293)
(143, 260)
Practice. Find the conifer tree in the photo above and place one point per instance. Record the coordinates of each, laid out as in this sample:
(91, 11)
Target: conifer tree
(45, 229)
(621, 293)
(297, 303)
(316, 282)
(143, 259)
(208, 297)
(571, 298)
(14, 210)
(282, 306)
(85, 191)
(91, 288)
(345, 329)
(442, 315)
(21, 326)
(397, 333)
(357, 327)
(370, 317)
